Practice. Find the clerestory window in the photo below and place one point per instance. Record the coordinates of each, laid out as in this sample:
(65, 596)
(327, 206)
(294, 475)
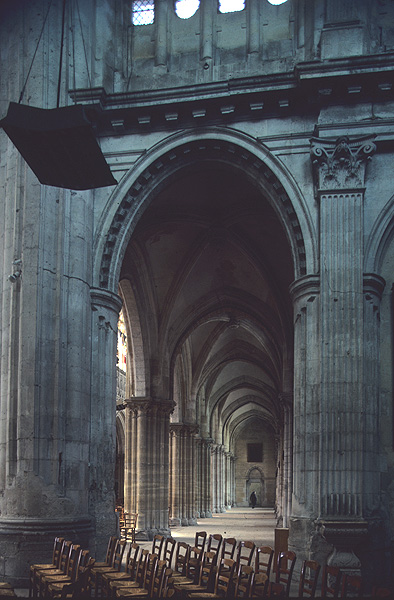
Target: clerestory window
(185, 9)
(277, 2)
(143, 12)
(227, 6)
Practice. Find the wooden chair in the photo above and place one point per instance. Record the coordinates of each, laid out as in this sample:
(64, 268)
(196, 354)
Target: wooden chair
(199, 539)
(115, 566)
(194, 563)
(126, 575)
(284, 574)
(129, 526)
(352, 586)
(168, 550)
(109, 553)
(181, 559)
(138, 579)
(55, 588)
(263, 560)
(308, 580)
(243, 580)
(228, 548)
(245, 553)
(60, 570)
(56, 552)
(205, 578)
(331, 582)
(146, 589)
(223, 582)
(214, 543)
(68, 576)
(157, 544)
(167, 590)
(81, 588)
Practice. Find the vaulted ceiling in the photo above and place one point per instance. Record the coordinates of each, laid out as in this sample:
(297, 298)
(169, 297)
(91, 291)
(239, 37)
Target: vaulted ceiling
(210, 268)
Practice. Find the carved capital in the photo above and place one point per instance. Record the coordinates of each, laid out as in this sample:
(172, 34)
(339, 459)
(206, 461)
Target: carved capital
(150, 406)
(340, 164)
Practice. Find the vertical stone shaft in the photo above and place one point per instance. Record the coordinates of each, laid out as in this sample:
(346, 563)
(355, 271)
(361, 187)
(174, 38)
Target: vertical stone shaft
(253, 26)
(147, 464)
(206, 41)
(161, 32)
(340, 171)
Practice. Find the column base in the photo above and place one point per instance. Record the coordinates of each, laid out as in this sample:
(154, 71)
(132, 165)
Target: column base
(146, 535)
(175, 522)
(27, 541)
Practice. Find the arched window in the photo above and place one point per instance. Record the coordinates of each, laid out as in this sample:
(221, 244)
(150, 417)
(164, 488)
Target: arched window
(277, 2)
(185, 9)
(143, 12)
(227, 6)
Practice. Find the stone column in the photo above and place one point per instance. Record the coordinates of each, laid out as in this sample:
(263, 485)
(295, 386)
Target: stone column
(304, 497)
(198, 476)
(161, 7)
(206, 478)
(104, 314)
(182, 474)
(345, 426)
(206, 38)
(147, 464)
(253, 8)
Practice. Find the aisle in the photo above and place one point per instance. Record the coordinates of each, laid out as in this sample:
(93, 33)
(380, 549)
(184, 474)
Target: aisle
(252, 524)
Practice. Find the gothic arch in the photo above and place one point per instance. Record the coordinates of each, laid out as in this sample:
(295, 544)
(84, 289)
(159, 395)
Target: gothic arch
(128, 202)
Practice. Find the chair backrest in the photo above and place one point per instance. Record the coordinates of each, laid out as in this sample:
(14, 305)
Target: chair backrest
(168, 551)
(167, 589)
(132, 558)
(199, 540)
(245, 553)
(181, 557)
(207, 570)
(157, 544)
(80, 589)
(285, 568)
(141, 567)
(194, 562)
(64, 557)
(224, 577)
(243, 581)
(150, 573)
(73, 561)
(215, 542)
(352, 586)
(228, 547)
(118, 554)
(56, 552)
(308, 580)
(158, 579)
(331, 582)
(263, 560)
(110, 549)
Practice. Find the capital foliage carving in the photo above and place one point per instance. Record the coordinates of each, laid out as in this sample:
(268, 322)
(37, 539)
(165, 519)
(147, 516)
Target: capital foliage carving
(340, 164)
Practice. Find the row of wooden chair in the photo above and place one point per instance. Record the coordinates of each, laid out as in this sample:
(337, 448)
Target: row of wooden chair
(198, 566)
(145, 574)
(67, 576)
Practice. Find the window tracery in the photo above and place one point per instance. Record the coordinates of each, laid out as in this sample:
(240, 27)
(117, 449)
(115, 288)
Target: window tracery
(143, 12)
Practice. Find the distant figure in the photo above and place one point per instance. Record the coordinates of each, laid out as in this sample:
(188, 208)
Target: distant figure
(253, 499)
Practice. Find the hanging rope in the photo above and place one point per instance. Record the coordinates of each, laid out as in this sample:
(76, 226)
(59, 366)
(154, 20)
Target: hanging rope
(61, 55)
(35, 52)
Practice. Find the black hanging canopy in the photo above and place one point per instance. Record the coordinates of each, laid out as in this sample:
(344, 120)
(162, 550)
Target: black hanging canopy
(59, 146)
